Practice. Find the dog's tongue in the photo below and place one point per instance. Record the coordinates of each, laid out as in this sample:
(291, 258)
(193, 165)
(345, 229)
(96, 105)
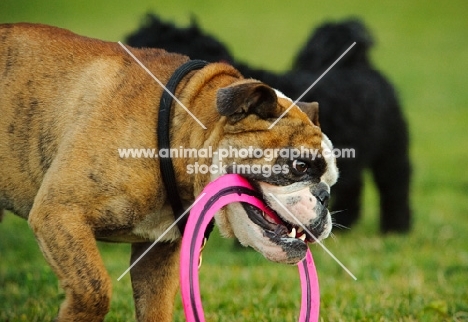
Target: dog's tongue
(274, 217)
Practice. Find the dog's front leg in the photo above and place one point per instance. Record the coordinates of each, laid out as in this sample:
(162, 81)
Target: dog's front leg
(69, 245)
(155, 280)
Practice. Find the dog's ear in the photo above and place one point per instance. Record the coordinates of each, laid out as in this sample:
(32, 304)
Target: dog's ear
(312, 111)
(239, 100)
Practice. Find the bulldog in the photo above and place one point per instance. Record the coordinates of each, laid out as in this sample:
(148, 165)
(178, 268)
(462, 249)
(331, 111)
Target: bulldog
(69, 103)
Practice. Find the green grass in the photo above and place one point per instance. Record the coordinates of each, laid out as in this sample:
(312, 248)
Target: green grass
(423, 276)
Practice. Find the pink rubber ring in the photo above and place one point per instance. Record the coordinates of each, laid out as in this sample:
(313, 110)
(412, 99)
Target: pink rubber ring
(236, 189)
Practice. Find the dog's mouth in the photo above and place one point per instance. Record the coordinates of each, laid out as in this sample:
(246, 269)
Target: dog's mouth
(276, 228)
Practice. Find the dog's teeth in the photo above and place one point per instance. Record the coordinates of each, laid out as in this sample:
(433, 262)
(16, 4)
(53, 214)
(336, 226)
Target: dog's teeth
(302, 237)
(300, 230)
(292, 234)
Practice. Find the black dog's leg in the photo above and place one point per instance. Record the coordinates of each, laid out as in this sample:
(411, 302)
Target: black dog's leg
(346, 194)
(392, 172)
(392, 177)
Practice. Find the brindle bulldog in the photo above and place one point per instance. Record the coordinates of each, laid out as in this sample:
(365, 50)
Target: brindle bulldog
(69, 103)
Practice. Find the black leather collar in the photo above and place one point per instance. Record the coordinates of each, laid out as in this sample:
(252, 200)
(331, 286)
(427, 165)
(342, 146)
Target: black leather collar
(165, 163)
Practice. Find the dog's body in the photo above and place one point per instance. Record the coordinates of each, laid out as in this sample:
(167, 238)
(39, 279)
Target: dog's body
(359, 107)
(68, 103)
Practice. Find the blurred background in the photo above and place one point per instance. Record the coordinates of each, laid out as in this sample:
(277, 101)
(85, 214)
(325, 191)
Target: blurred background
(422, 48)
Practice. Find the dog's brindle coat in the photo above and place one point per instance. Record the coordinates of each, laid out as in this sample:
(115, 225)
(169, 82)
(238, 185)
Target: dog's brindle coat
(68, 103)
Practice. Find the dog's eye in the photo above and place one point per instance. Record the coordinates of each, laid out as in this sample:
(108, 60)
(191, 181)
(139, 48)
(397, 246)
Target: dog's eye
(300, 167)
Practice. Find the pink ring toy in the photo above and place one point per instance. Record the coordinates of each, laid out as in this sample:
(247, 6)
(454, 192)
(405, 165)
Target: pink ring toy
(224, 190)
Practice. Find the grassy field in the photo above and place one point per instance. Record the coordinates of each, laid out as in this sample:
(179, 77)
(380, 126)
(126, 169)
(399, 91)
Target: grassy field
(422, 46)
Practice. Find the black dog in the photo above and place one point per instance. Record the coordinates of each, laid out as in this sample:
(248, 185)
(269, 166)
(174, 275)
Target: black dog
(358, 107)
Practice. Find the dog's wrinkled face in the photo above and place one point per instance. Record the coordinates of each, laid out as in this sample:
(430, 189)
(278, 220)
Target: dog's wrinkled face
(290, 165)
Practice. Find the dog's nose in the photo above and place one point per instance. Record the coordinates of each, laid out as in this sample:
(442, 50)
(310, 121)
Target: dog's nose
(323, 196)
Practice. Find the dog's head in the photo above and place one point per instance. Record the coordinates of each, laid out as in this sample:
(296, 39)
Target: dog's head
(289, 163)
(329, 41)
(190, 41)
